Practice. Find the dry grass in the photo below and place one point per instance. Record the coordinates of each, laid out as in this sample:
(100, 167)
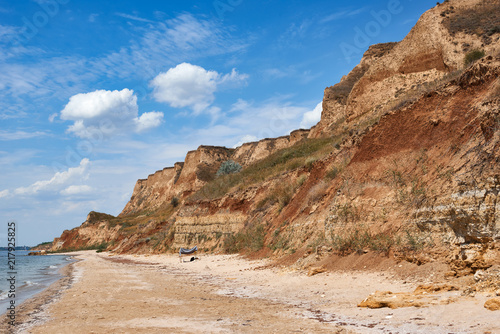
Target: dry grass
(302, 154)
(251, 239)
(482, 20)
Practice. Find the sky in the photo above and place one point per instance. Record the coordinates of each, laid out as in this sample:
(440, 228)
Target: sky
(97, 94)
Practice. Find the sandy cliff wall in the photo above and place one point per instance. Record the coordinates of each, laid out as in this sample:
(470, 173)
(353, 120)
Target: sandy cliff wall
(95, 231)
(395, 73)
(249, 153)
(198, 168)
(179, 181)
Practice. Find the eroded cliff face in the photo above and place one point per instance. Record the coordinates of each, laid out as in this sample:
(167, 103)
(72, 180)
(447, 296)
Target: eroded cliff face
(179, 181)
(94, 232)
(199, 167)
(249, 153)
(393, 74)
(416, 177)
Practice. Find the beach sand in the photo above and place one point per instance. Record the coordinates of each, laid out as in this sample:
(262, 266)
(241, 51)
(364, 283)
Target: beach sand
(107, 293)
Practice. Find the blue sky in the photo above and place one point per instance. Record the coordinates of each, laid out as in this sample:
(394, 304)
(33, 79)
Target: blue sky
(96, 94)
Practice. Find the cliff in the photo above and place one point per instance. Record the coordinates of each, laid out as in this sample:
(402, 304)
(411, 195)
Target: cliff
(198, 168)
(393, 74)
(178, 181)
(404, 162)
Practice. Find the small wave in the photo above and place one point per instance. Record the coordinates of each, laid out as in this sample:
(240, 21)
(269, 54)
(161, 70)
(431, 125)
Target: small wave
(28, 284)
(53, 267)
(3, 295)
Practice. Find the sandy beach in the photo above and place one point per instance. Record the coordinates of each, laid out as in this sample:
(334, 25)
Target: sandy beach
(106, 293)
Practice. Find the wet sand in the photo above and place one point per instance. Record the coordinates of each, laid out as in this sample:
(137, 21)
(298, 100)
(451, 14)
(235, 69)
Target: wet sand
(105, 293)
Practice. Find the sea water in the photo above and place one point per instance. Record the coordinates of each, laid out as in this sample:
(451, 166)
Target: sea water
(33, 275)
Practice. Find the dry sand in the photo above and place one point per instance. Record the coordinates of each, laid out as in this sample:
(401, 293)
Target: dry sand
(107, 293)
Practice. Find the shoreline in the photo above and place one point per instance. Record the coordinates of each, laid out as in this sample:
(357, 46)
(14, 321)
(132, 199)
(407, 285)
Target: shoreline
(228, 294)
(31, 311)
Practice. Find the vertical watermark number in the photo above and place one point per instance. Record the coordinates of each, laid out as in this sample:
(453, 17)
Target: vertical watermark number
(11, 272)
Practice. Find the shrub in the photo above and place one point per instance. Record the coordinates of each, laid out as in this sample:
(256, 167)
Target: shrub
(493, 30)
(310, 162)
(174, 201)
(301, 180)
(101, 247)
(251, 238)
(357, 239)
(348, 212)
(205, 173)
(277, 163)
(228, 167)
(472, 56)
(332, 173)
(281, 193)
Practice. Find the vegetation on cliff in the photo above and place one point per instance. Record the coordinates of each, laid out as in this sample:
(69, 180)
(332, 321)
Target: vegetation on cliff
(413, 175)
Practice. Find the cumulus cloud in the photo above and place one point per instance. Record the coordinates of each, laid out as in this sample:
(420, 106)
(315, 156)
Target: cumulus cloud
(192, 86)
(59, 181)
(4, 193)
(234, 78)
(312, 117)
(76, 190)
(107, 112)
(148, 120)
(101, 103)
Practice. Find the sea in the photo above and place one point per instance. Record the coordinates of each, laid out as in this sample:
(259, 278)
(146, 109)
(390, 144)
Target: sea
(33, 275)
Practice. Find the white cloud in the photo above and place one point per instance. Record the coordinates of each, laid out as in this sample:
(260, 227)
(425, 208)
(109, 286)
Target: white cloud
(250, 121)
(133, 17)
(246, 139)
(76, 190)
(93, 17)
(234, 78)
(188, 85)
(52, 117)
(149, 120)
(59, 181)
(17, 135)
(4, 193)
(342, 15)
(275, 73)
(101, 103)
(240, 105)
(312, 117)
(291, 72)
(7, 32)
(151, 48)
(104, 112)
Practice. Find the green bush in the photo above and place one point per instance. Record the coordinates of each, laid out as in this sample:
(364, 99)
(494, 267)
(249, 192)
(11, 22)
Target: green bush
(277, 163)
(472, 56)
(281, 193)
(358, 239)
(251, 238)
(228, 167)
(174, 201)
(332, 173)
